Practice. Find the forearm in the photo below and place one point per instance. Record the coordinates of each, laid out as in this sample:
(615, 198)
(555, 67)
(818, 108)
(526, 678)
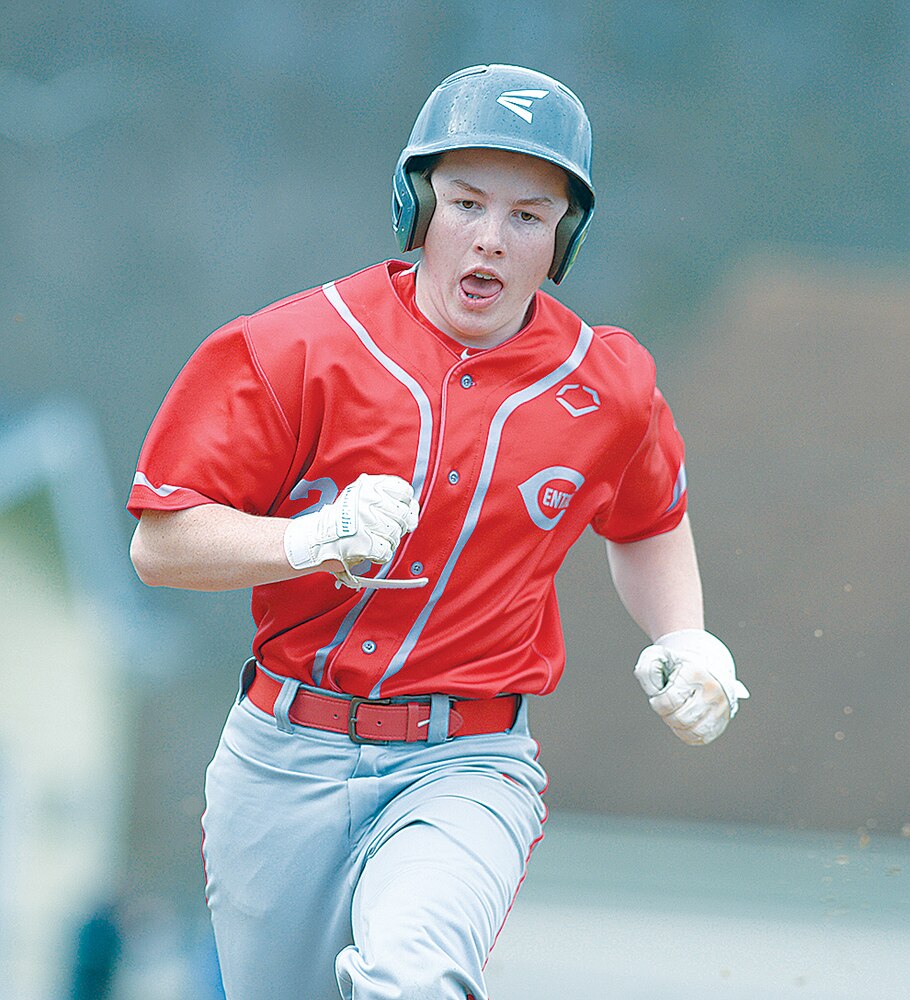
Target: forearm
(658, 581)
(210, 547)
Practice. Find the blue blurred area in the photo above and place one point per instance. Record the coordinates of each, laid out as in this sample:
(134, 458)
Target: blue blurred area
(139, 949)
(98, 947)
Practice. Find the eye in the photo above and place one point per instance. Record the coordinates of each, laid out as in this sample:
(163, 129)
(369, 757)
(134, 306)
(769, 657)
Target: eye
(528, 217)
(466, 203)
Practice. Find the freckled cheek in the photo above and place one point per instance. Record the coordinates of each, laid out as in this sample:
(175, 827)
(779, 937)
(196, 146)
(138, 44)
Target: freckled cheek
(536, 265)
(444, 234)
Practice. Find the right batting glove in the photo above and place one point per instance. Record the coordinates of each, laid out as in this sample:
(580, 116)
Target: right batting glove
(365, 523)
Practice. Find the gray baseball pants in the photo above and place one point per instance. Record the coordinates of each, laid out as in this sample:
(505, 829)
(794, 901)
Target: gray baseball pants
(363, 871)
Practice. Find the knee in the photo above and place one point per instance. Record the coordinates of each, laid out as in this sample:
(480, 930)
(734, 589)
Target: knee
(421, 974)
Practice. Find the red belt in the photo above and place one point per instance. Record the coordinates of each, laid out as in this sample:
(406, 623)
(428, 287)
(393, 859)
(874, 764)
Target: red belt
(381, 720)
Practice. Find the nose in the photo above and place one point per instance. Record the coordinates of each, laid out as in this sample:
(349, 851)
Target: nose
(489, 239)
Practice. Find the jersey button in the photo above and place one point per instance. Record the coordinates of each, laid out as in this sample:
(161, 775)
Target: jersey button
(368, 646)
(466, 381)
(416, 568)
(454, 477)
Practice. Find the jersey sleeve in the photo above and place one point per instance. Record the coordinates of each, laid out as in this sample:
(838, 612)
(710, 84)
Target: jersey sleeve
(651, 498)
(220, 435)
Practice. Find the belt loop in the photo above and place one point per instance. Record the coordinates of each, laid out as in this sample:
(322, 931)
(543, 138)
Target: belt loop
(438, 728)
(247, 673)
(521, 715)
(283, 702)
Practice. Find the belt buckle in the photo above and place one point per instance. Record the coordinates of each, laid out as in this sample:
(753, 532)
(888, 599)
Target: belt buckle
(356, 702)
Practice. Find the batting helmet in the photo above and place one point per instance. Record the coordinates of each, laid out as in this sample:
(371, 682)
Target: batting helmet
(498, 107)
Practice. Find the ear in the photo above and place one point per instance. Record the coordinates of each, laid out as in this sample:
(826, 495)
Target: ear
(425, 197)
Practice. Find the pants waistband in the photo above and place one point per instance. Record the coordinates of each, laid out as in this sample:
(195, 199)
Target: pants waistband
(380, 720)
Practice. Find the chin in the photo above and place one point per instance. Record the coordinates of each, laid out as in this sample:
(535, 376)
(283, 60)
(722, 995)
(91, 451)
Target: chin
(480, 325)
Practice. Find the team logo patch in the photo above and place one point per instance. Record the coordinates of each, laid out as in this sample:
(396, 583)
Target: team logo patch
(578, 399)
(548, 493)
(518, 101)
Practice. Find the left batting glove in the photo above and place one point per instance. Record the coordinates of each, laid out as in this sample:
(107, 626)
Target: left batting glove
(690, 680)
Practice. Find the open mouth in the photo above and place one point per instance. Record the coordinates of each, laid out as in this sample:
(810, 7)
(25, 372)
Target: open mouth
(480, 285)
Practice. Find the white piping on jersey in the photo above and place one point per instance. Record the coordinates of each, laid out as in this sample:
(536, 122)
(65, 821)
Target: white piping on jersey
(421, 462)
(164, 490)
(678, 489)
(491, 452)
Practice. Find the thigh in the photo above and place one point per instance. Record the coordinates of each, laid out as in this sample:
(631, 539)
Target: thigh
(278, 859)
(436, 886)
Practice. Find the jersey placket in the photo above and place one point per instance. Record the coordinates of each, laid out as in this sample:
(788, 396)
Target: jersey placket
(383, 621)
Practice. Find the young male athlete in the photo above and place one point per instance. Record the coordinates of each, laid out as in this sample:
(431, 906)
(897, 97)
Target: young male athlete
(397, 462)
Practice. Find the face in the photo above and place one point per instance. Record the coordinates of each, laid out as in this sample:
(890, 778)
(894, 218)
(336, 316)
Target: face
(490, 242)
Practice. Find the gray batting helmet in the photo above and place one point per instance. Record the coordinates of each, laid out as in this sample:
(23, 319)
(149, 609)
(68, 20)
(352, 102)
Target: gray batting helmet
(498, 107)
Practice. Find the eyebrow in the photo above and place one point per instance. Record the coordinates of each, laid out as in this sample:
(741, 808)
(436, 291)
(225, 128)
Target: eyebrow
(538, 200)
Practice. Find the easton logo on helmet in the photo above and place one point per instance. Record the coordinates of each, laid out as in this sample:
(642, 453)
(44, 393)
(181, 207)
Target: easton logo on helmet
(520, 100)
(548, 493)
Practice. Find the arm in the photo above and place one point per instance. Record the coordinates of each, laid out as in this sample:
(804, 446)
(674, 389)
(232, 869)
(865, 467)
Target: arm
(211, 547)
(688, 674)
(216, 547)
(658, 582)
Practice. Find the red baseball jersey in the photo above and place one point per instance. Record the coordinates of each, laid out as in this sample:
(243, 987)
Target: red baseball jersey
(512, 451)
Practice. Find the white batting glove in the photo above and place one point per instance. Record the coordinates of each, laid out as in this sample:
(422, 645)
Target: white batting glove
(690, 680)
(365, 523)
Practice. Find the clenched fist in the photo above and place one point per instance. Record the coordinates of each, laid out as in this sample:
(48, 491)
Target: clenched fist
(690, 680)
(366, 522)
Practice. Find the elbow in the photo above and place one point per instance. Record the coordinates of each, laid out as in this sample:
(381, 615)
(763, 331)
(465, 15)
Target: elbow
(149, 568)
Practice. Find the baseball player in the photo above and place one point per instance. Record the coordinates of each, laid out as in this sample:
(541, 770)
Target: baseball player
(397, 463)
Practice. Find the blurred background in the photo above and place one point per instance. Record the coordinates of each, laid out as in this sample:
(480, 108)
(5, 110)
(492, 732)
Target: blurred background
(165, 167)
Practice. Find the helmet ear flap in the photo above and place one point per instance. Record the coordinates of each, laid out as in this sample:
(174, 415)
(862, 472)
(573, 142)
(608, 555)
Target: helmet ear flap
(570, 234)
(413, 202)
(565, 234)
(425, 199)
